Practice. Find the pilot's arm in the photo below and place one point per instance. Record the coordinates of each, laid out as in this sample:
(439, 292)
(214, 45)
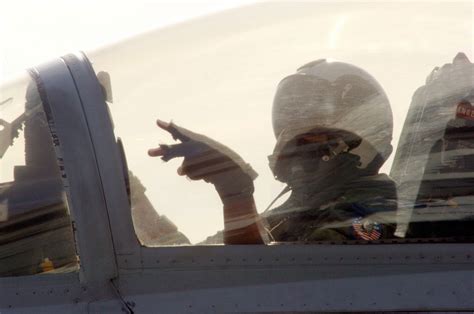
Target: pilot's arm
(215, 163)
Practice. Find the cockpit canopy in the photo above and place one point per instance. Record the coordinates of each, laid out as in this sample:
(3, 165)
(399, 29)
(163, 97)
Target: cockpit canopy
(218, 76)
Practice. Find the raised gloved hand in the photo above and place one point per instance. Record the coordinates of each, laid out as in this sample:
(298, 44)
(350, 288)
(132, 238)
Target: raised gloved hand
(215, 163)
(208, 160)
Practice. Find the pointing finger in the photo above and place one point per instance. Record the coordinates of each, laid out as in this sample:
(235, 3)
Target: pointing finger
(173, 130)
(162, 124)
(155, 152)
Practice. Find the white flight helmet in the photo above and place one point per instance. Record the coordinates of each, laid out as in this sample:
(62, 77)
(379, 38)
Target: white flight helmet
(338, 96)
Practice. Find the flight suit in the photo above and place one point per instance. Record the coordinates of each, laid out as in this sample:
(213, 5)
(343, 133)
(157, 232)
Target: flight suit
(364, 210)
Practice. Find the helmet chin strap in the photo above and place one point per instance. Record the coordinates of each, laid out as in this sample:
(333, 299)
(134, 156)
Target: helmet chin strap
(366, 153)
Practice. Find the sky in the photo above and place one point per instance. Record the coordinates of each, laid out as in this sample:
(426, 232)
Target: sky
(34, 31)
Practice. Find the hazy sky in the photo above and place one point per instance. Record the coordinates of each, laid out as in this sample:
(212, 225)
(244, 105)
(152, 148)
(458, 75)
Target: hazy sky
(32, 31)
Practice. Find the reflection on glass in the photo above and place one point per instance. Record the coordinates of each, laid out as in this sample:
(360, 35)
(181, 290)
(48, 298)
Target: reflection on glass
(151, 228)
(35, 226)
(433, 165)
(333, 125)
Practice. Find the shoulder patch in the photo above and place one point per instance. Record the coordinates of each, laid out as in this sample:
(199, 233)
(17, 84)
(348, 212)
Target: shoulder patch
(366, 229)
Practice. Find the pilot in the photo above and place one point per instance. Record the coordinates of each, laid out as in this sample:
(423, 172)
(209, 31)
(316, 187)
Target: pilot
(333, 125)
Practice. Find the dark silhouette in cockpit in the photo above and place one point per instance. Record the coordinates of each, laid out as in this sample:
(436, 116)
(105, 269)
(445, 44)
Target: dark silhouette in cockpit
(434, 159)
(36, 235)
(333, 125)
(446, 195)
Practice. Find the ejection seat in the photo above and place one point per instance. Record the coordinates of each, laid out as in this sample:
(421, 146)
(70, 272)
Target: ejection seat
(444, 207)
(434, 161)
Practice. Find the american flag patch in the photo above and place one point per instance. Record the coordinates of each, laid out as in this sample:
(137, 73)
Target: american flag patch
(367, 230)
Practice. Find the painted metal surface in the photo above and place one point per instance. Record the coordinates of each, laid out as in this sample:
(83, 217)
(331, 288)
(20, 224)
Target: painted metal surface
(287, 278)
(106, 153)
(84, 188)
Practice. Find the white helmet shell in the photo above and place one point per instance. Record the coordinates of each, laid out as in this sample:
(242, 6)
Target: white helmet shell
(334, 95)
